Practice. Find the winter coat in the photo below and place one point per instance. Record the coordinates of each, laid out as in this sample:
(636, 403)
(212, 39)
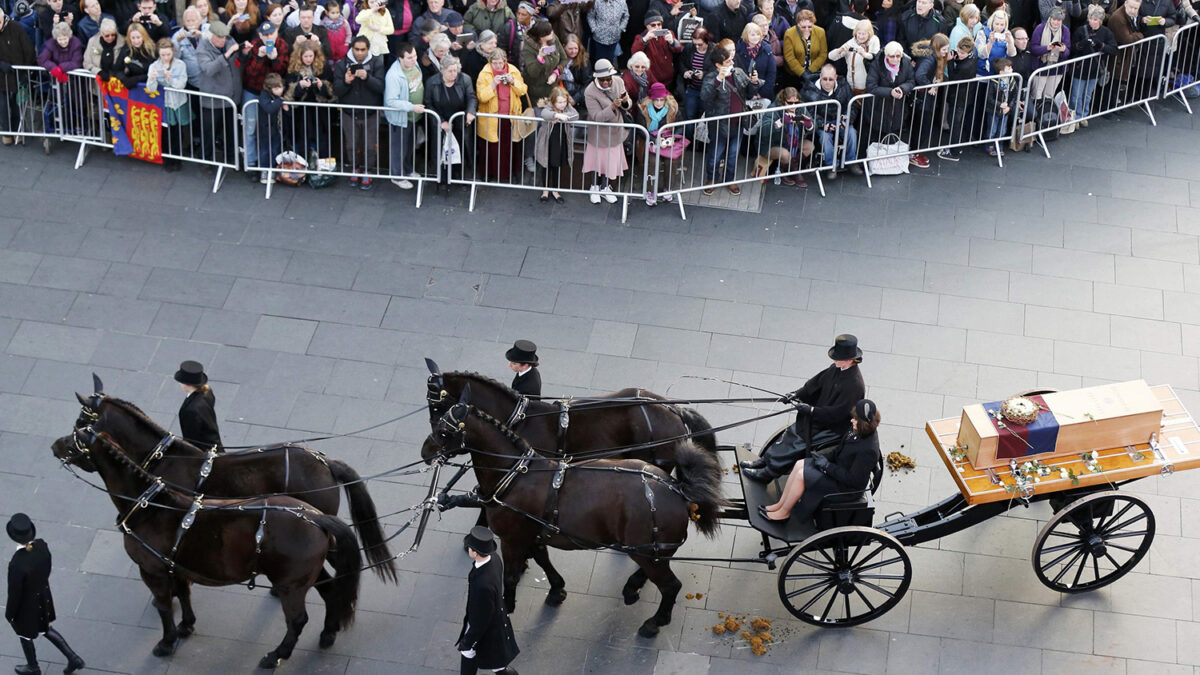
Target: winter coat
(15, 49)
(99, 55)
(185, 50)
(529, 384)
(1042, 53)
(717, 96)
(925, 70)
(486, 627)
(880, 81)
(396, 96)
(856, 64)
(795, 50)
(536, 71)
(672, 113)
(661, 54)
(790, 135)
(764, 63)
(437, 98)
(318, 31)
(174, 77)
(841, 28)
(541, 152)
(131, 67)
(30, 606)
(998, 93)
(822, 115)
(914, 27)
(848, 468)
(219, 75)
(789, 14)
(359, 92)
(568, 19)
(376, 27)
(68, 58)
(198, 419)
(1163, 8)
(581, 77)
(1073, 8)
(832, 394)
(1086, 42)
(489, 101)
(480, 18)
(961, 31)
(724, 23)
(599, 107)
(608, 19)
(322, 92)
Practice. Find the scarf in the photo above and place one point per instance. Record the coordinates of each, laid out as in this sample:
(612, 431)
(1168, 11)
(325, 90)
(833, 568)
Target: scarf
(894, 70)
(656, 117)
(1049, 37)
(333, 25)
(642, 83)
(753, 51)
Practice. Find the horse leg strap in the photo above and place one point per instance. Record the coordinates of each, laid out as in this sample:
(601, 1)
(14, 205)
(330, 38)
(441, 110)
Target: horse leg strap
(550, 513)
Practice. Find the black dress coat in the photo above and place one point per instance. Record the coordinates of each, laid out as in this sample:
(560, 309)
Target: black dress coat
(198, 420)
(832, 394)
(848, 470)
(529, 384)
(486, 627)
(30, 608)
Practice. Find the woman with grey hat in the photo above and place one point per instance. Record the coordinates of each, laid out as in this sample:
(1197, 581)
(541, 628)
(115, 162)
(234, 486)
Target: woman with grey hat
(823, 407)
(604, 151)
(486, 640)
(29, 608)
(845, 468)
(198, 415)
(523, 360)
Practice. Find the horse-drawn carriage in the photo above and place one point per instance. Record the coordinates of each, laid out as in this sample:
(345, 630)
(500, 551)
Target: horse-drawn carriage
(630, 472)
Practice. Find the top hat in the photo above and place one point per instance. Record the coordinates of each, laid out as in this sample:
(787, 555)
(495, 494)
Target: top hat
(20, 528)
(604, 68)
(191, 373)
(845, 347)
(481, 540)
(523, 351)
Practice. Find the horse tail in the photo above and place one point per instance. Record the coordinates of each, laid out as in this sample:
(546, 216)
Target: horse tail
(699, 476)
(346, 560)
(365, 519)
(696, 424)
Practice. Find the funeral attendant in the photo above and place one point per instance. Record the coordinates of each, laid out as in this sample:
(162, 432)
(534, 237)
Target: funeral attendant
(487, 640)
(823, 406)
(29, 607)
(523, 360)
(197, 415)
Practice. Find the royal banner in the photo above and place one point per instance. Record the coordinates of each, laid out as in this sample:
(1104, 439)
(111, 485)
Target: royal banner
(135, 116)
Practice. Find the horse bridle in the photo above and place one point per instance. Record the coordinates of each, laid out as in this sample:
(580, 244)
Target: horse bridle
(82, 437)
(452, 423)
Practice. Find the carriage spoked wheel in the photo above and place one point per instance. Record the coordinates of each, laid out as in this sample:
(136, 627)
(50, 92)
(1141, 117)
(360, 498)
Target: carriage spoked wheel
(844, 576)
(1093, 541)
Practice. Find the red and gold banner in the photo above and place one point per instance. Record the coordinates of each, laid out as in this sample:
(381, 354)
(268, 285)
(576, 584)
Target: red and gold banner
(135, 117)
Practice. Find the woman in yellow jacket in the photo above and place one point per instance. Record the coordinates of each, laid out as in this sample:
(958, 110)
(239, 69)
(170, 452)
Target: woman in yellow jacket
(499, 90)
(804, 49)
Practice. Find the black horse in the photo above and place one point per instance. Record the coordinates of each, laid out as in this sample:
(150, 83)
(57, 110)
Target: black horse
(176, 540)
(625, 504)
(628, 420)
(287, 469)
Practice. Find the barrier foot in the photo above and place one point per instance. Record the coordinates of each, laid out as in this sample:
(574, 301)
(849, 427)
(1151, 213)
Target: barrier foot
(867, 173)
(624, 209)
(820, 183)
(1150, 113)
(420, 192)
(471, 204)
(999, 154)
(1184, 101)
(1042, 141)
(220, 178)
(270, 183)
(83, 154)
(679, 200)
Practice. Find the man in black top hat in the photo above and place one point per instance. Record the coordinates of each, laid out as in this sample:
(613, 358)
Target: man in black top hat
(487, 639)
(198, 414)
(30, 607)
(523, 361)
(824, 402)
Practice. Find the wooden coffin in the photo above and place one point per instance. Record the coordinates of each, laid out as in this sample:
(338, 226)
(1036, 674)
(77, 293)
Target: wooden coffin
(1092, 418)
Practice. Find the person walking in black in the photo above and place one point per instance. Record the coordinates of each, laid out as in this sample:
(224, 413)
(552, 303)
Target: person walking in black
(825, 402)
(486, 640)
(30, 607)
(523, 360)
(197, 415)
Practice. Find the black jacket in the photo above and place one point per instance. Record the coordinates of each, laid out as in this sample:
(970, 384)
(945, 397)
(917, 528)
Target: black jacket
(529, 384)
(915, 27)
(15, 50)
(842, 93)
(832, 394)
(198, 420)
(131, 67)
(359, 92)
(30, 607)
(1086, 41)
(437, 99)
(291, 33)
(486, 627)
(725, 23)
(848, 469)
(880, 81)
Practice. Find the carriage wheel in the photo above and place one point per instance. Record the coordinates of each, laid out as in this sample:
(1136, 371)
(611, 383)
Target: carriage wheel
(844, 576)
(1093, 541)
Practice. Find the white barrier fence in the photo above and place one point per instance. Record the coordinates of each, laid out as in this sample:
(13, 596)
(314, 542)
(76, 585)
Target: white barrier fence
(1182, 74)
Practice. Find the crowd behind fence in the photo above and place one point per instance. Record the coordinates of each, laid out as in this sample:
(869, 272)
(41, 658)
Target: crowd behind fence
(554, 153)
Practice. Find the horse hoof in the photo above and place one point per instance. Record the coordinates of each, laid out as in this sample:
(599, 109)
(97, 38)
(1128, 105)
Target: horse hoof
(632, 598)
(327, 638)
(185, 629)
(164, 648)
(648, 629)
(555, 597)
(270, 661)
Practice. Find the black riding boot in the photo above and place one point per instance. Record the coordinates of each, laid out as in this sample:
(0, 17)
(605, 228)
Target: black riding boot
(74, 662)
(31, 663)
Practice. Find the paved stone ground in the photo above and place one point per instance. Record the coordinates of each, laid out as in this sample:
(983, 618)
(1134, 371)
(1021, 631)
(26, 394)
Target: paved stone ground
(313, 310)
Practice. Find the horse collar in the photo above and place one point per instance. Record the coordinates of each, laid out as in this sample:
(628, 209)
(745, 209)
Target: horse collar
(158, 451)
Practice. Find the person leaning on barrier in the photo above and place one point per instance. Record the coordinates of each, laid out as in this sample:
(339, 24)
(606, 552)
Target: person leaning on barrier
(725, 92)
(134, 59)
(1001, 102)
(1050, 44)
(358, 81)
(960, 98)
(658, 110)
(309, 80)
(1093, 37)
(890, 80)
(554, 145)
(168, 71)
(783, 137)
(62, 53)
(404, 99)
(823, 407)
(101, 51)
(499, 90)
(830, 87)
(216, 54)
(15, 50)
(448, 93)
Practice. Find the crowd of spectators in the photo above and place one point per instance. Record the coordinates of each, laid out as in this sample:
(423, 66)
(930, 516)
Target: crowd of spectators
(649, 62)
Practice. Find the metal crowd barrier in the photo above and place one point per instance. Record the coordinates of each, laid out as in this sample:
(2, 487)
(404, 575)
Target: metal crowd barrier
(747, 146)
(350, 141)
(33, 105)
(934, 117)
(503, 164)
(1134, 79)
(1182, 74)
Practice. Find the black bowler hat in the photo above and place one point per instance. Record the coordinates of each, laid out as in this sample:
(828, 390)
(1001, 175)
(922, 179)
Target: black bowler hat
(20, 528)
(523, 351)
(481, 540)
(845, 347)
(191, 373)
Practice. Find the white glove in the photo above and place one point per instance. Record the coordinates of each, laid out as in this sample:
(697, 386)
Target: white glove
(468, 654)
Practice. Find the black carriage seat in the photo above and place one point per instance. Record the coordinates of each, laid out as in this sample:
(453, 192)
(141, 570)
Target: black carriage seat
(842, 509)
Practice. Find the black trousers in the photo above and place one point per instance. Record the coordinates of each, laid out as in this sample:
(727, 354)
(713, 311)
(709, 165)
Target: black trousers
(783, 454)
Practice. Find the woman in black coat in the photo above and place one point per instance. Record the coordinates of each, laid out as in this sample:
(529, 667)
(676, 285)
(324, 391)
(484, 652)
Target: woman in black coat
(486, 640)
(134, 59)
(29, 608)
(846, 468)
(448, 93)
(198, 415)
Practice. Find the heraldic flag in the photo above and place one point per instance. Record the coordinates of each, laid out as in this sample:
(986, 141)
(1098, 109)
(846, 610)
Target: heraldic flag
(135, 116)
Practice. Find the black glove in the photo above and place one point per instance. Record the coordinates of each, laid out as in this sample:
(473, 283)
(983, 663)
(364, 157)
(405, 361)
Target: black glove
(446, 502)
(819, 462)
(803, 408)
(5, 66)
